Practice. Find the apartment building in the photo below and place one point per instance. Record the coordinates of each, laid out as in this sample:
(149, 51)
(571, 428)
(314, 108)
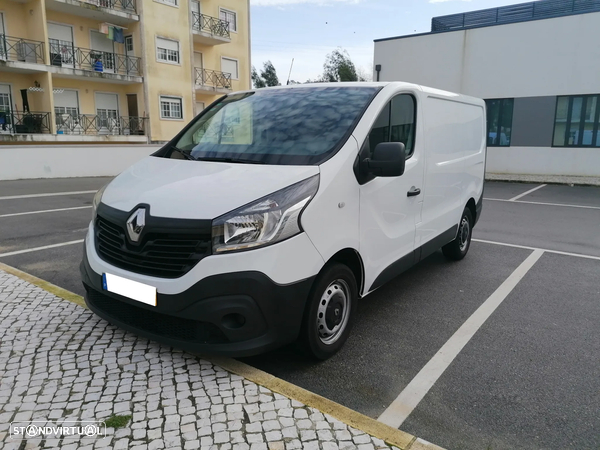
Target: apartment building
(536, 64)
(128, 71)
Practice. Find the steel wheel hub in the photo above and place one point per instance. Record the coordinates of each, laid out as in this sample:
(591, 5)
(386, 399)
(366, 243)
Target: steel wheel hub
(333, 311)
(463, 233)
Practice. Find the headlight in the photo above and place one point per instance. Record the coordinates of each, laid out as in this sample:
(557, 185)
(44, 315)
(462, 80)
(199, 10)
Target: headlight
(267, 220)
(97, 200)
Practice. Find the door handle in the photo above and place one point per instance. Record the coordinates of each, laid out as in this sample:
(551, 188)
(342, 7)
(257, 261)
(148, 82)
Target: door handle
(413, 191)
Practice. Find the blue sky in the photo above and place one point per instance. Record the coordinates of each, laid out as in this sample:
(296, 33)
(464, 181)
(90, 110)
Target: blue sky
(307, 30)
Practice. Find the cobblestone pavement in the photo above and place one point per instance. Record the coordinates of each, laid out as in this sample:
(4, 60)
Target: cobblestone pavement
(59, 362)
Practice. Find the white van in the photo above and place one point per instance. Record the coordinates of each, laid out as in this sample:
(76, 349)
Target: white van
(267, 218)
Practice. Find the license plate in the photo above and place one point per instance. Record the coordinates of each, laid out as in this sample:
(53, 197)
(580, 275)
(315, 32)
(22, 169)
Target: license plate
(128, 288)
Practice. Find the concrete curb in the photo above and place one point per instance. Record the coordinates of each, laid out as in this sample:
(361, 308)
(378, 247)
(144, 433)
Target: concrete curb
(547, 179)
(390, 435)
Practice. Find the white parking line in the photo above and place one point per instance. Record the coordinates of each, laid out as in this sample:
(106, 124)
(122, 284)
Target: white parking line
(528, 192)
(541, 203)
(546, 250)
(45, 247)
(44, 211)
(51, 194)
(414, 392)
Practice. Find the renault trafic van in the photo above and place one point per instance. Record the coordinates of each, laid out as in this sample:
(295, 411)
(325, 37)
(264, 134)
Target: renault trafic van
(268, 216)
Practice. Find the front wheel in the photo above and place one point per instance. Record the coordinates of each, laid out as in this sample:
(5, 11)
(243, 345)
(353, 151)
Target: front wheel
(458, 248)
(329, 312)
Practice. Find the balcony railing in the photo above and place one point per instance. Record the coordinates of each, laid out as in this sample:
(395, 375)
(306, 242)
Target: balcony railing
(211, 25)
(214, 78)
(100, 125)
(24, 122)
(65, 54)
(19, 49)
(123, 5)
(522, 12)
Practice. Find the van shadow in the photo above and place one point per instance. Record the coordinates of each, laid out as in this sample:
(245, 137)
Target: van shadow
(374, 314)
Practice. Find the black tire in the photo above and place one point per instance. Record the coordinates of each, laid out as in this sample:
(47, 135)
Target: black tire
(458, 248)
(333, 298)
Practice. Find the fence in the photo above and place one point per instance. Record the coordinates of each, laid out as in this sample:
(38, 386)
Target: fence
(543, 9)
(100, 124)
(212, 25)
(19, 49)
(214, 78)
(64, 54)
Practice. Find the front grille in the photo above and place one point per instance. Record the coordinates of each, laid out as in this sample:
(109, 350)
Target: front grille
(160, 254)
(156, 323)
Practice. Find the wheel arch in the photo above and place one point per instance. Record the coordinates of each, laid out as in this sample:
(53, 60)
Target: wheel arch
(473, 208)
(351, 258)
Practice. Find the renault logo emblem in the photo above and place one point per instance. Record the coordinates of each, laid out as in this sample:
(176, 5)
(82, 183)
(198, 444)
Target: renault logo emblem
(135, 224)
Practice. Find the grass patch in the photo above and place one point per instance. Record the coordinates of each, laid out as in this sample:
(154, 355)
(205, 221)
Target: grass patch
(117, 421)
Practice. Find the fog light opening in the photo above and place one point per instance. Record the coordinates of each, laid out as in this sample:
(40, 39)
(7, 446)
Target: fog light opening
(233, 321)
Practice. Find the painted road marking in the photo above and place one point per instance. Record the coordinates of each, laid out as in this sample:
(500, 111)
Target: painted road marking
(528, 192)
(44, 211)
(45, 247)
(541, 203)
(414, 392)
(52, 194)
(558, 252)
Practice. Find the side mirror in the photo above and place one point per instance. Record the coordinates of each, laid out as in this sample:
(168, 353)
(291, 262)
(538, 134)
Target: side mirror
(388, 160)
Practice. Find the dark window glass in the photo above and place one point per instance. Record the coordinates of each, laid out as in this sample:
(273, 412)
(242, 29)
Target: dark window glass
(301, 126)
(395, 123)
(499, 121)
(576, 121)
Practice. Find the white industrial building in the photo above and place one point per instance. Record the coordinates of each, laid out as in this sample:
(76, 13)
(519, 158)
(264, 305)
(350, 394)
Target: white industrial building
(536, 64)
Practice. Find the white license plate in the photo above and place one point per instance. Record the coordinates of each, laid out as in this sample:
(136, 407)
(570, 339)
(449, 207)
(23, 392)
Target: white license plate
(128, 288)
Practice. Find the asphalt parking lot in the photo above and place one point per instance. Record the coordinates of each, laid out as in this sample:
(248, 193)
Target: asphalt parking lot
(527, 377)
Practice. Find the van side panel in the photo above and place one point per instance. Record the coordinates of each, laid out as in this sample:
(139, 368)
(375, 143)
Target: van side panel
(454, 132)
(475, 164)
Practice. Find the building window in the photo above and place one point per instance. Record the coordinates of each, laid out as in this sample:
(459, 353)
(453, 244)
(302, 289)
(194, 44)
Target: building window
(229, 65)
(577, 121)
(499, 121)
(230, 17)
(167, 2)
(167, 50)
(171, 108)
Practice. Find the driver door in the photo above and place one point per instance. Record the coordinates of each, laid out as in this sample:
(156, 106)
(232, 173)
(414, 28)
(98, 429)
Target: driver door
(390, 207)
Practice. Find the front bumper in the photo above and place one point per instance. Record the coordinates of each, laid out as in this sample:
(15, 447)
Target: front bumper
(235, 314)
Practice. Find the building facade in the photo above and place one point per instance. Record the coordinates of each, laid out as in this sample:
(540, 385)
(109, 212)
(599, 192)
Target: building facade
(536, 64)
(116, 70)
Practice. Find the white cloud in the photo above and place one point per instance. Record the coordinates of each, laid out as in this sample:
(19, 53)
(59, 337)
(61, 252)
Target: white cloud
(297, 2)
(442, 1)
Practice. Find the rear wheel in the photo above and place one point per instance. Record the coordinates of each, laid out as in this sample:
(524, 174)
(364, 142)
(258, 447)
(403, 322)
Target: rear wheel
(329, 312)
(458, 248)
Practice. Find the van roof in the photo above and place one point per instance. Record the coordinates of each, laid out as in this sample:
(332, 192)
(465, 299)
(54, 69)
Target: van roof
(382, 84)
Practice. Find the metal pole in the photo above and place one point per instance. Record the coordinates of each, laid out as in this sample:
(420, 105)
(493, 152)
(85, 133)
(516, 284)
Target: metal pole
(290, 74)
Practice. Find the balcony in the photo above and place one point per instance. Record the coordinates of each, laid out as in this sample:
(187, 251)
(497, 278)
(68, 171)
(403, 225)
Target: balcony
(119, 12)
(24, 122)
(212, 81)
(100, 125)
(21, 55)
(209, 30)
(75, 62)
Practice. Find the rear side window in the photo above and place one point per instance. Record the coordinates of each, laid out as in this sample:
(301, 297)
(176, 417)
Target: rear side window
(396, 123)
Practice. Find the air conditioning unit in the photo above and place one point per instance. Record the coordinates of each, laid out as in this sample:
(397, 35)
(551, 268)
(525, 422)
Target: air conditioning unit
(26, 52)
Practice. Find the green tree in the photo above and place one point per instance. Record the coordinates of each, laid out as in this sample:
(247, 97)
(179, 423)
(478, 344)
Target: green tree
(267, 77)
(257, 80)
(269, 74)
(339, 67)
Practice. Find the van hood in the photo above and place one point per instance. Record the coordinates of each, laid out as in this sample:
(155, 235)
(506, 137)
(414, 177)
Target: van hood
(197, 189)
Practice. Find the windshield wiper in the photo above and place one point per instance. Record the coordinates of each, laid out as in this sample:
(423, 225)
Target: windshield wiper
(230, 160)
(185, 154)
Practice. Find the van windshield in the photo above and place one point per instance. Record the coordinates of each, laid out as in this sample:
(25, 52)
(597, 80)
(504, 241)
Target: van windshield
(298, 126)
